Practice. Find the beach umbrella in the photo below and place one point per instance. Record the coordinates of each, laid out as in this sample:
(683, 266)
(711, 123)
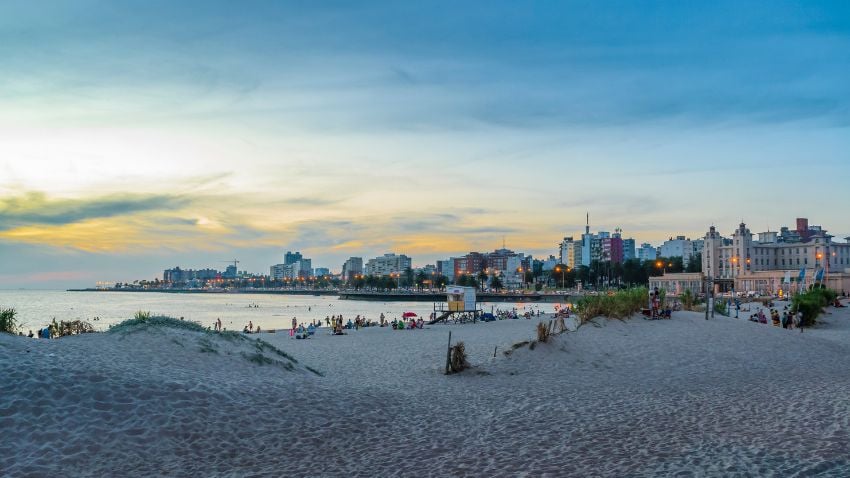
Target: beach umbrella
(409, 314)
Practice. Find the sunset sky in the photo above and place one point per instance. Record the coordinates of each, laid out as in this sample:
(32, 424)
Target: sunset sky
(140, 135)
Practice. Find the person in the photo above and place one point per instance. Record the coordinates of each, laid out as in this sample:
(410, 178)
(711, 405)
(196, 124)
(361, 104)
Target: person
(250, 325)
(30, 335)
(245, 330)
(784, 320)
(258, 328)
(420, 323)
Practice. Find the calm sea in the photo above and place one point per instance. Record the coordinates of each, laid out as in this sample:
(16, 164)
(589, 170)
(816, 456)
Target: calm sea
(36, 308)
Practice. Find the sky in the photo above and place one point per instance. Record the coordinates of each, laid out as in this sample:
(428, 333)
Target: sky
(140, 135)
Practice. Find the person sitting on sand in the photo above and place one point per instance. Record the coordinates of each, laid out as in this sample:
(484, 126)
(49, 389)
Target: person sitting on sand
(420, 323)
(245, 330)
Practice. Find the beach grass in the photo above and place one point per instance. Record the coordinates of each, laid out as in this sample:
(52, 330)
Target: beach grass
(8, 321)
(619, 305)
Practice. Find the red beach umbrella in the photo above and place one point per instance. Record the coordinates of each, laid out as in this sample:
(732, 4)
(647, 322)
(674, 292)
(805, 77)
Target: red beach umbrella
(409, 314)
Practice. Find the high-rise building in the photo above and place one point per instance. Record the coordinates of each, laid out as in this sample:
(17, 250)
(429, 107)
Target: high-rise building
(352, 267)
(388, 264)
(647, 252)
(291, 257)
(628, 249)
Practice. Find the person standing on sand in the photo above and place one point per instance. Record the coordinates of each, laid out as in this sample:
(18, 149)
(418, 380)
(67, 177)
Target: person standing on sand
(294, 323)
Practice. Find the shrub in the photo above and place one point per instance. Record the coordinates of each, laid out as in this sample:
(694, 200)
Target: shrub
(688, 299)
(720, 307)
(8, 321)
(73, 327)
(811, 303)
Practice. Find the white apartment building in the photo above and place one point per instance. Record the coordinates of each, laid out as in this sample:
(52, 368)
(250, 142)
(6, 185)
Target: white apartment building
(570, 253)
(387, 264)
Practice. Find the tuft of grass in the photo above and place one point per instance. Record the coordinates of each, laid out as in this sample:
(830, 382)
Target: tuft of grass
(264, 346)
(142, 315)
(145, 319)
(258, 358)
(206, 346)
(8, 321)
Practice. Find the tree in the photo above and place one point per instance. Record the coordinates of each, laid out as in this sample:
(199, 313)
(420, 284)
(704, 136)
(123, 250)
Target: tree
(407, 276)
(695, 264)
(420, 279)
(496, 283)
(440, 281)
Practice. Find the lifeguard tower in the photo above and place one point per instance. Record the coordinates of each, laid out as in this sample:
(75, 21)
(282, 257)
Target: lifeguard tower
(461, 305)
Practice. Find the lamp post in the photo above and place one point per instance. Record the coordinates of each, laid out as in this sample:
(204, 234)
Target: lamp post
(818, 257)
(734, 295)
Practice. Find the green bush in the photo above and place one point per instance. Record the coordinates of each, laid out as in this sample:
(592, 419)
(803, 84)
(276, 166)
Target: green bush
(8, 321)
(811, 303)
(720, 307)
(687, 299)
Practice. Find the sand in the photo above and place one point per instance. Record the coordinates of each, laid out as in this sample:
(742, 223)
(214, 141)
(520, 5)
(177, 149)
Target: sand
(680, 397)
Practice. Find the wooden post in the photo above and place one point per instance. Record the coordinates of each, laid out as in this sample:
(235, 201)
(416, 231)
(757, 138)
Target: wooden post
(449, 355)
(494, 351)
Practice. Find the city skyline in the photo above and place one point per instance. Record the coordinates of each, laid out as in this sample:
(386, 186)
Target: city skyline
(142, 136)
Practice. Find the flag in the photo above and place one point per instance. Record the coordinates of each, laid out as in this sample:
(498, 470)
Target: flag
(787, 277)
(819, 275)
(802, 275)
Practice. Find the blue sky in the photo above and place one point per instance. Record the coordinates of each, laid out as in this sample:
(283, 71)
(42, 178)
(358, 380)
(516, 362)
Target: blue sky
(135, 136)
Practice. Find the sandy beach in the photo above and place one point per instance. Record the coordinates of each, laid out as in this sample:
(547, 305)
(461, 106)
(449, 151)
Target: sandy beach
(680, 397)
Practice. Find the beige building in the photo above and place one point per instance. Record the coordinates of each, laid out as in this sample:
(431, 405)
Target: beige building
(772, 264)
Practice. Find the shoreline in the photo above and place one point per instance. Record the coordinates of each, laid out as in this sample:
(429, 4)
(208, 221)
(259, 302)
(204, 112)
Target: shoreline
(356, 295)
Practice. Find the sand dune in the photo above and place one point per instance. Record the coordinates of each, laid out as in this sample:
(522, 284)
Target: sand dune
(684, 397)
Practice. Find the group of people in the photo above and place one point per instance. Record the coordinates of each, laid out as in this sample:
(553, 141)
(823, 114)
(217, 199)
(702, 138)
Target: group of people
(401, 324)
(655, 309)
(249, 329)
(787, 320)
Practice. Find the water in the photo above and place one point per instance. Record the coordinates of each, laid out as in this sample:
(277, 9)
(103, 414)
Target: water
(36, 308)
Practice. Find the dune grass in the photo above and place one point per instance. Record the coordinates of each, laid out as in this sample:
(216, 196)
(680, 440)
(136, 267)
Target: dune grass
(620, 305)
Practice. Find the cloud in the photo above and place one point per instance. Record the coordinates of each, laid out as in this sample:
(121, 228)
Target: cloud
(35, 208)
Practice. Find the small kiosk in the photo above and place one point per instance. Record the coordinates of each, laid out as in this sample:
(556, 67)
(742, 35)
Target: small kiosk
(461, 305)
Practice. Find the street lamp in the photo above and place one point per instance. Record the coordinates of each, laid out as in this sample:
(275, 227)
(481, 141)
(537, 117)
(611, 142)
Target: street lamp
(734, 295)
